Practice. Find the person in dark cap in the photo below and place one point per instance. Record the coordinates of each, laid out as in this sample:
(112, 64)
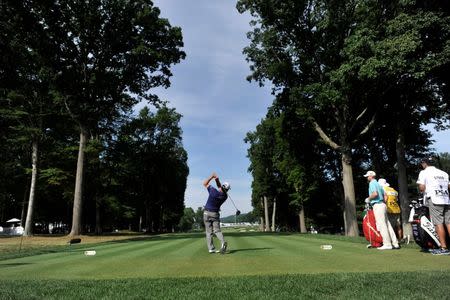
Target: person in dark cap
(434, 185)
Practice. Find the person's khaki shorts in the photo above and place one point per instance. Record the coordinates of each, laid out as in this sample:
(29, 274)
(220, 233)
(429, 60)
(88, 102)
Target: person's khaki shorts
(439, 213)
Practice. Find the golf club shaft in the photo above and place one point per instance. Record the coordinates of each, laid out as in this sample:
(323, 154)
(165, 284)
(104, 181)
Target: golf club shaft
(232, 202)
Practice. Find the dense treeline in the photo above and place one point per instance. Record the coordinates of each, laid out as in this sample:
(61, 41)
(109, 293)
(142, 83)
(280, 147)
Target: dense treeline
(354, 84)
(72, 152)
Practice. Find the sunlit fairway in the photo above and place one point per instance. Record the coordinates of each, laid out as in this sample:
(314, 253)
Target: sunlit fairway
(180, 262)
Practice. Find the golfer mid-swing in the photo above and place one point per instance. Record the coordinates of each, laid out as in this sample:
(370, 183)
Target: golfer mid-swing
(211, 216)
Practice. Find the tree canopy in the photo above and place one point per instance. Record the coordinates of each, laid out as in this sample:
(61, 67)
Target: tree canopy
(347, 68)
(73, 66)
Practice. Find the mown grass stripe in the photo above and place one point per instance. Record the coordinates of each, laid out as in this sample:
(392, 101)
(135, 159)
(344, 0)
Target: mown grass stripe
(399, 285)
(249, 254)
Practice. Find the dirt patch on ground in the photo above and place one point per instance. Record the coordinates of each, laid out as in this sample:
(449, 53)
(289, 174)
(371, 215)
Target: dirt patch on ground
(11, 244)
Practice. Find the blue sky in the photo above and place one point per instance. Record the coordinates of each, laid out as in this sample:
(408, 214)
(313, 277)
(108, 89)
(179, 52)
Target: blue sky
(209, 88)
(218, 105)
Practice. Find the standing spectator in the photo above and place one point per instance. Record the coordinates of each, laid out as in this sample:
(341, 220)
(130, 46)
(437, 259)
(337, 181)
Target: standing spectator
(435, 185)
(393, 209)
(376, 200)
(211, 216)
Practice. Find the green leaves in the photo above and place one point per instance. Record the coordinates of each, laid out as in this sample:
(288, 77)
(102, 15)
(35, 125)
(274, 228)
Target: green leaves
(406, 44)
(54, 176)
(151, 166)
(84, 64)
(343, 67)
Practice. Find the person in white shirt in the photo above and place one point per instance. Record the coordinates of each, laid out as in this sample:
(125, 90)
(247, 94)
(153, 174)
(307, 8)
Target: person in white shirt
(434, 184)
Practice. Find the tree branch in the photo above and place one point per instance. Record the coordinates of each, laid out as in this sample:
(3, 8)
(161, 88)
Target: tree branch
(324, 136)
(69, 110)
(358, 118)
(366, 129)
(361, 114)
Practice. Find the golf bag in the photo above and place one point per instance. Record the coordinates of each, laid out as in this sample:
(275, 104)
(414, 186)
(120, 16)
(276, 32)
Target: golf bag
(370, 228)
(424, 233)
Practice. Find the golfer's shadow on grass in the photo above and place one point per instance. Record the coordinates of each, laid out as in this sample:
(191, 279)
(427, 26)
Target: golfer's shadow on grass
(13, 265)
(247, 249)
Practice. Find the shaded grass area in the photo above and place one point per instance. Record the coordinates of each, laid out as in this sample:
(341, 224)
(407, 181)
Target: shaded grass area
(16, 247)
(395, 285)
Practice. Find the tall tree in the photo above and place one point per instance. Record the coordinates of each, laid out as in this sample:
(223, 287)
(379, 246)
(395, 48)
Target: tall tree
(266, 180)
(321, 51)
(282, 167)
(400, 49)
(109, 54)
(27, 87)
(152, 167)
(298, 162)
(297, 45)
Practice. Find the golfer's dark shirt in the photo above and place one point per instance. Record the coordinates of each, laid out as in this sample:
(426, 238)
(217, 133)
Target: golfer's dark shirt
(215, 199)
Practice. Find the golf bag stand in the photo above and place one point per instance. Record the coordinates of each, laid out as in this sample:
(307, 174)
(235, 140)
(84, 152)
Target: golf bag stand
(370, 230)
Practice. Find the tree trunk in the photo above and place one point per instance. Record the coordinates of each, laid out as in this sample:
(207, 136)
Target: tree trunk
(98, 222)
(402, 180)
(78, 196)
(148, 219)
(351, 224)
(161, 219)
(266, 214)
(274, 213)
(26, 195)
(261, 218)
(34, 162)
(301, 218)
(261, 224)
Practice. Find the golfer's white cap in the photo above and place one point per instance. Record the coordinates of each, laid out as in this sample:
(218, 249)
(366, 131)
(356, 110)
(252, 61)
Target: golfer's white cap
(383, 182)
(370, 173)
(226, 186)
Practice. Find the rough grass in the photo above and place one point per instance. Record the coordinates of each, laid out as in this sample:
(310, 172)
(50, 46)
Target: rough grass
(257, 265)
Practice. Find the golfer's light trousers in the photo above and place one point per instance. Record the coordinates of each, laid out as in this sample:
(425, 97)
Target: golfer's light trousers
(212, 226)
(383, 225)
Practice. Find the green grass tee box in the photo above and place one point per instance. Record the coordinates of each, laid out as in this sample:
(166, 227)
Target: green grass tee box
(256, 264)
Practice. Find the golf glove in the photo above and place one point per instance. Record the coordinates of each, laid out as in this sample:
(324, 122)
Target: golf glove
(367, 200)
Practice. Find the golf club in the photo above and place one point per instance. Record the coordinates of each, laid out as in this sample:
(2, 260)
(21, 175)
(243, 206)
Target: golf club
(238, 212)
